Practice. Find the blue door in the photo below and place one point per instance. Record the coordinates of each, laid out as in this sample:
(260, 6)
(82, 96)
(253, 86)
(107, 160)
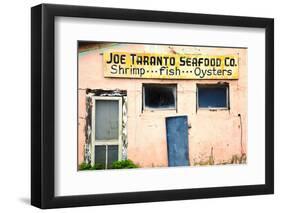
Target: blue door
(177, 140)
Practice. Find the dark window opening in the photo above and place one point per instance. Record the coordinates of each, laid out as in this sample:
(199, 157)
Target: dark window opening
(159, 96)
(212, 96)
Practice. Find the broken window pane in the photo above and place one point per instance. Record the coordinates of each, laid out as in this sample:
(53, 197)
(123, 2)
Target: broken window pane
(106, 125)
(159, 96)
(213, 96)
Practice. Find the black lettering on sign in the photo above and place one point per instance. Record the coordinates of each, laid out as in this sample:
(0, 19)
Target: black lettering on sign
(116, 59)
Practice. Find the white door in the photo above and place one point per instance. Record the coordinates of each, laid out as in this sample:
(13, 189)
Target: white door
(106, 131)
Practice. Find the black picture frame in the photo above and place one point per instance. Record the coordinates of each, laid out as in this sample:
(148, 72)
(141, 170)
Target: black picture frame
(43, 105)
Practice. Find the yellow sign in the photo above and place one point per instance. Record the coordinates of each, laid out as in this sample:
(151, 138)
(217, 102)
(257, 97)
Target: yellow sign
(170, 66)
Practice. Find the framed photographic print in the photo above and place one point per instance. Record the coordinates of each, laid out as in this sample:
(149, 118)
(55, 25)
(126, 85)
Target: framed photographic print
(140, 106)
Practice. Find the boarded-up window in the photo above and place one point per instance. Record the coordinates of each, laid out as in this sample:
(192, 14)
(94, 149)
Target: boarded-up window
(159, 96)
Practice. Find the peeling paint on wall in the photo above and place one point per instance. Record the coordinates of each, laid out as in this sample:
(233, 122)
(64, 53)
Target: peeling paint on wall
(87, 129)
(124, 128)
(217, 137)
(88, 126)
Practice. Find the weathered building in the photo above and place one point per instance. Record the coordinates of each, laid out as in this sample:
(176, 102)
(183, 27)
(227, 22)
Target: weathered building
(126, 118)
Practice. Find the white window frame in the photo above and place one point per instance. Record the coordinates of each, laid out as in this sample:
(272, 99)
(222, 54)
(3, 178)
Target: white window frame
(118, 141)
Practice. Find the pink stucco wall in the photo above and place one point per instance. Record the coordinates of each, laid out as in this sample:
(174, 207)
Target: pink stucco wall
(216, 133)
